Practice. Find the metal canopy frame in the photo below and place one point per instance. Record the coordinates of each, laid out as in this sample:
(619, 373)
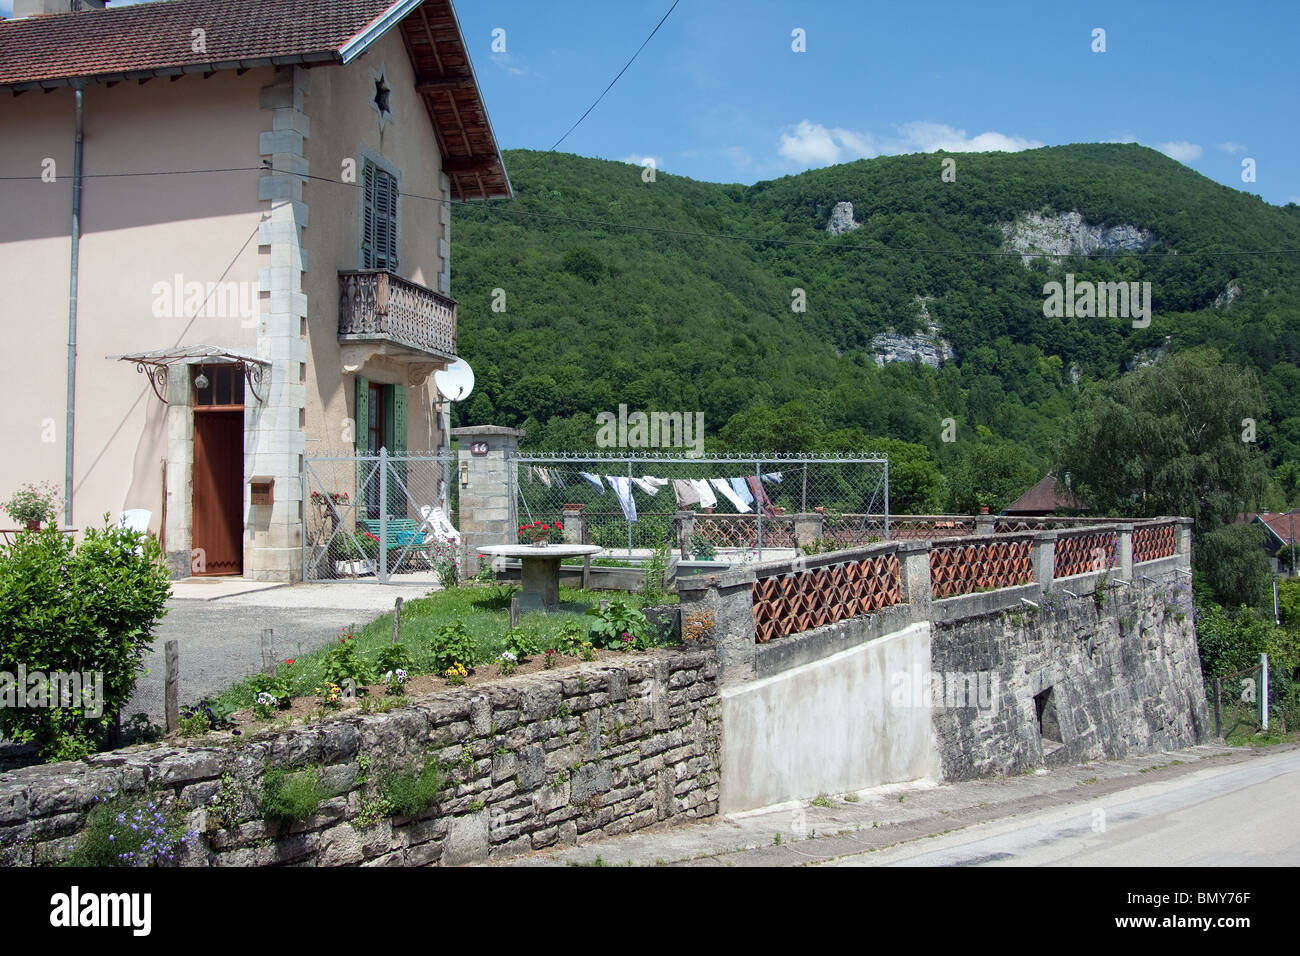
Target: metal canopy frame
(156, 365)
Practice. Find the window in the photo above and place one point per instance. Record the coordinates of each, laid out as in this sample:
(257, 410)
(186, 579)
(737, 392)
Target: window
(217, 385)
(379, 218)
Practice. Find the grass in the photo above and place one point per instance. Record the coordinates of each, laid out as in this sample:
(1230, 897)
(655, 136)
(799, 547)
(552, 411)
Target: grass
(484, 611)
(410, 793)
(292, 795)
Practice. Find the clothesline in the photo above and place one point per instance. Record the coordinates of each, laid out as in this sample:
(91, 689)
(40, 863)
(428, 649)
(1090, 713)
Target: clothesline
(741, 492)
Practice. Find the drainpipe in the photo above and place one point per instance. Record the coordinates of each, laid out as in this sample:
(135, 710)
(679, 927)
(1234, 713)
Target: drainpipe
(68, 428)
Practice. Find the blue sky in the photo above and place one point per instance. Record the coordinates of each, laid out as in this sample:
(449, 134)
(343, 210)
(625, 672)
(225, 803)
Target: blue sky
(720, 95)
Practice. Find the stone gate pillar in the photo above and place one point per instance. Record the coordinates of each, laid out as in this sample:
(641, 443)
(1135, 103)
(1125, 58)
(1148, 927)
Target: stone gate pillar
(487, 507)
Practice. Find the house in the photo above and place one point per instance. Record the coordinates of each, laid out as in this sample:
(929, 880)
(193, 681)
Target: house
(1279, 530)
(225, 247)
(1044, 499)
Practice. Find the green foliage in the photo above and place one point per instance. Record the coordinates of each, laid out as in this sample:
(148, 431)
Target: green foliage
(452, 644)
(570, 639)
(654, 584)
(134, 830)
(619, 627)
(343, 663)
(677, 320)
(409, 793)
(88, 608)
(278, 686)
(701, 548)
(292, 795)
(1234, 565)
(522, 643)
(392, 657)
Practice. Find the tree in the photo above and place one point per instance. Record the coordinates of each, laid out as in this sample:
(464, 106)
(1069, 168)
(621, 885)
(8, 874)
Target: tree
(991, 474)
(1168, 440)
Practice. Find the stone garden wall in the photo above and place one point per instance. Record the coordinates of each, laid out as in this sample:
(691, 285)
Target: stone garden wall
(533, 761)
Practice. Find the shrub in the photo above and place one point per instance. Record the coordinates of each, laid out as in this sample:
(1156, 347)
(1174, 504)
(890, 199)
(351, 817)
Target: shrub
(619, 626)
(277, 687)
(452, 644)
(343, 663)
(392, 657)
(292, 795)
(84, 609)
(34, 502)
(522, 643)
(410, 793)
(131, 831)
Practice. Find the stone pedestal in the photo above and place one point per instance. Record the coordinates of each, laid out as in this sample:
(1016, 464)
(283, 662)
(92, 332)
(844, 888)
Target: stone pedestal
(575, 527)
(807, 527)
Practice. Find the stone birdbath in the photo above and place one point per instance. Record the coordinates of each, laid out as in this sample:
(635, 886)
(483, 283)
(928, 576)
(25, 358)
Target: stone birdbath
(540, 569)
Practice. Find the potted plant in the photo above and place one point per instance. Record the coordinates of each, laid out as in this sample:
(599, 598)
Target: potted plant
(539, 532)
(33, 503)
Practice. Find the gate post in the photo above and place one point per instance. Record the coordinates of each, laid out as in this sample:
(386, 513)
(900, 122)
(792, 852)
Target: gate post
(381, 565)
(487, 493)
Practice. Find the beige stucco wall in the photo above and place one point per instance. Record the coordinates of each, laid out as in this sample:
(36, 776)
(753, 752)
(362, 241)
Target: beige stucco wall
(136, 231)
(343, 122)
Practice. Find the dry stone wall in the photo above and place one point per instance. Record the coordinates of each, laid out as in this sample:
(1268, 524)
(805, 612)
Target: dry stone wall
(533, 761)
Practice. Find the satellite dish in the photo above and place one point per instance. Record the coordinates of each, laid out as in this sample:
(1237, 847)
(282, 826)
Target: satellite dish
(456, 381)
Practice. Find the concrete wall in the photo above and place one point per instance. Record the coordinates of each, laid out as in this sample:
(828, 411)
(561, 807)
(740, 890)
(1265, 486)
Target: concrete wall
(827, 726)
(533, 761)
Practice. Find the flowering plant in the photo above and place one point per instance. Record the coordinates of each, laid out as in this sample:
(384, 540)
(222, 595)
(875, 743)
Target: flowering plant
(455, 674)
(264, 704)
(507, 663)
(33, 503)
(397, 682)
(331, 694)
(549, 660)
(539, 531)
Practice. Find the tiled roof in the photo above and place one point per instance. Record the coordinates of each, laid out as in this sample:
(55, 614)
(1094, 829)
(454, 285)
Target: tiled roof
(1281, 523)
(157, 39)
(159, 36)
(1043, 499)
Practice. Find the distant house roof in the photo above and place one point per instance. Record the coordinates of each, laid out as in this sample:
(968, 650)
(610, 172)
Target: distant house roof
(1043, 499)
(157, 39)
(1279, 523)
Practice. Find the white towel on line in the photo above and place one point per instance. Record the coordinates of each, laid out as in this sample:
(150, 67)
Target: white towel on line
(727, 492)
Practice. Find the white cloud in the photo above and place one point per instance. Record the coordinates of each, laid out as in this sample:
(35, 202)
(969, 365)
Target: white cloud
(1180, 150)
(1231, 147)
(1123, 139)
(812, 144)
(504, 61)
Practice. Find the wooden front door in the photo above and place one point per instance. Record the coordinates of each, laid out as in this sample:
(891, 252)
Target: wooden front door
(219, 491)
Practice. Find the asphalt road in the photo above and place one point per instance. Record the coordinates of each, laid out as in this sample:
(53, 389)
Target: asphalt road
(1237, 815)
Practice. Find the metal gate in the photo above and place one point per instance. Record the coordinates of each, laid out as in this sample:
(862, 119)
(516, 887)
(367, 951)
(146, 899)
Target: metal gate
(371, 517)
(762, 505)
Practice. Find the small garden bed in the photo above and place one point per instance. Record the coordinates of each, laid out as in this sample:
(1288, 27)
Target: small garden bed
(460, 636)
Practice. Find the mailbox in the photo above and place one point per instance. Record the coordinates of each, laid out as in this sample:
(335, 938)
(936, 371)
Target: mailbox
(263, 490)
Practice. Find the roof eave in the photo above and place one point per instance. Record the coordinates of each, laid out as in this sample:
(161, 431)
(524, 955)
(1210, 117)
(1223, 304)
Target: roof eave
(327, 56)
(487, 116)
(377, 28)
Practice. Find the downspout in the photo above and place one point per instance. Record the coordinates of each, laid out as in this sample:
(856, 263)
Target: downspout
(69, 424)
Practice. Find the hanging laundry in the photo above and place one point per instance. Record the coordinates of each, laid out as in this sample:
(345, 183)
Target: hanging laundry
(726, 491)
(774, 477)
(594, 479)
(707, 498)
(543, 474)
(622, 486)
(686, 494)
(742, 490)
(657, 482)
(645, 486)
(760, 495)
(559, 482)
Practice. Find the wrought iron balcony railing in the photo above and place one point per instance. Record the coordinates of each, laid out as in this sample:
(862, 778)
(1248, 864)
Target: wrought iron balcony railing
(375, 305)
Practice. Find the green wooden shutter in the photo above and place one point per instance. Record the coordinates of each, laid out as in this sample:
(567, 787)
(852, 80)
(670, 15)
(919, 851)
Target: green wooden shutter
(368, 223)
(390, 224)
(395, 439)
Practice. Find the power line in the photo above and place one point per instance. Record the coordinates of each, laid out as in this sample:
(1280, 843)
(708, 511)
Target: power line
(615, 79)
(691, 233)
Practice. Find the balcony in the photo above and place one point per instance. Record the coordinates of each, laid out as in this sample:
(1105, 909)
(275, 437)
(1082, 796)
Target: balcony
(383, 314)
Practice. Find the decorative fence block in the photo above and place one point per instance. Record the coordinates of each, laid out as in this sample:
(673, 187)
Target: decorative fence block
(1084, 553)
(962, 569)
(741, 531)
(1153, 541)
(806, 599)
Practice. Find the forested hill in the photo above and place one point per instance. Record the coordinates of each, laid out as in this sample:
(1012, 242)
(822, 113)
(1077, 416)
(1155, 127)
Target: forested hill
(617, 290)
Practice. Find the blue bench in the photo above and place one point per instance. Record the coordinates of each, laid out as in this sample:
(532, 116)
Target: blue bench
(402, 532)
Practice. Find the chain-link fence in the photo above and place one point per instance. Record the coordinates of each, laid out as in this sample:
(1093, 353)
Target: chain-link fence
(374, 516)
(1257, 699)
(730, 508)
